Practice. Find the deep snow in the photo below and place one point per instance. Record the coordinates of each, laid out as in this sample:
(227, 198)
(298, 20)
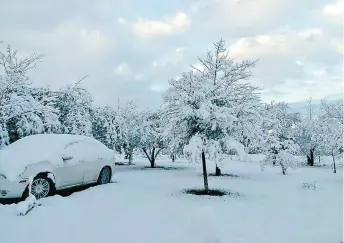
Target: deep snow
(147, 206)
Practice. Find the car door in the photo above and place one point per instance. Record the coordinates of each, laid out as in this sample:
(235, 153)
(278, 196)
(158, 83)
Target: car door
(72, 171)
(92, 169)
(93, 164)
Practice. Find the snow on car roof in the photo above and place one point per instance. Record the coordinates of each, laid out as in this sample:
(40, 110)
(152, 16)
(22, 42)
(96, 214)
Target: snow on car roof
(44, 147)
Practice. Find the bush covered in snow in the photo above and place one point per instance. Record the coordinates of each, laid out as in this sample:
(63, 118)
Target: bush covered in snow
(311, 186)
(25, 206)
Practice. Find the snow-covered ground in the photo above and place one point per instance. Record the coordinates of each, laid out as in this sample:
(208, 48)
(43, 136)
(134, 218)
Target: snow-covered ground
(147, 206)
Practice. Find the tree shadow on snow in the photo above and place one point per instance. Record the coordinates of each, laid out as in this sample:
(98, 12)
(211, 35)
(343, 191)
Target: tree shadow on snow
(62, 193)
(224, 175)
(70, 191)
(211, 192)
(160, 168)
(124, 164)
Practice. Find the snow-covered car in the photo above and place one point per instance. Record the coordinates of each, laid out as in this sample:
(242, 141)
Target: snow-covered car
(53, 162)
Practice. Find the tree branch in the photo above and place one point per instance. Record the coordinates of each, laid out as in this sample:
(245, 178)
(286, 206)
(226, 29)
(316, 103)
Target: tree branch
(157, 153)
(145, 151)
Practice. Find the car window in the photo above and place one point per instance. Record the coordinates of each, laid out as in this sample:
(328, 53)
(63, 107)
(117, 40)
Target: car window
(80, 151)
(71, 143)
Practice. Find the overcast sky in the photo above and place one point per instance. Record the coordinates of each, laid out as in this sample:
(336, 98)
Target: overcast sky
(130, 48)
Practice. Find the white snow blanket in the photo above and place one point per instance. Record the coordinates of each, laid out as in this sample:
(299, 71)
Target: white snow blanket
(147, 206)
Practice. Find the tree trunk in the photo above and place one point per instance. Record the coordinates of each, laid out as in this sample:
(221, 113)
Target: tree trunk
(149, 157)
(274, 157)
(152, 164)
(130, 156)
(217, 171)
(152, 156)
(310, 158)
(334, 164)
(205, 175)
(284, 169)
(152, 160)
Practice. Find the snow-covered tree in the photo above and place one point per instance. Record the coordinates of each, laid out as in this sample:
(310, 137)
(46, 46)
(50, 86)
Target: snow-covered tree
(330, 130)
(332, 110)
(21, 112)
(48, 98)
(330, 134)
(279, 146)
(174, 142)
(103, 126)
(313, 131)
(305, 135)
(280, 118)
(128, 121)
(4, 136)
(206, 102)
(75, 106)
(151, 136)
(248, 128)
(280, 152)
(173, 136)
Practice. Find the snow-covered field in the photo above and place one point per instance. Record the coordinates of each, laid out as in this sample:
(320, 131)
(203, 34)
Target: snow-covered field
(147, 206)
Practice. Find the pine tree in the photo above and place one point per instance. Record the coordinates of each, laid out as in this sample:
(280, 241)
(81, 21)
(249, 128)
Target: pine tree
(208, 102)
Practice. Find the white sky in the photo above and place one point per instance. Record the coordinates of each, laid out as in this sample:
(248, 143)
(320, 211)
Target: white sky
(130, 48)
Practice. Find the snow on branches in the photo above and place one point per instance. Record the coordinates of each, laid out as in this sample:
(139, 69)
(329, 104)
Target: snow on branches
(194, 148)
(209, 112)
(330, 131)
(213, 102)
(22, 113)
(104, 126)
(280, 152)
(152, 140)
(321, 135)
(75, 106)
(279, 145)
(127, 120)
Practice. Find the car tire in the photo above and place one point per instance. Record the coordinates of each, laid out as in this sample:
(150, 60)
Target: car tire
(104, 176)
(41, 187)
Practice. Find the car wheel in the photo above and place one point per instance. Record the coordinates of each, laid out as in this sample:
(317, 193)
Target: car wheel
(42, 186)
(104, 176)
